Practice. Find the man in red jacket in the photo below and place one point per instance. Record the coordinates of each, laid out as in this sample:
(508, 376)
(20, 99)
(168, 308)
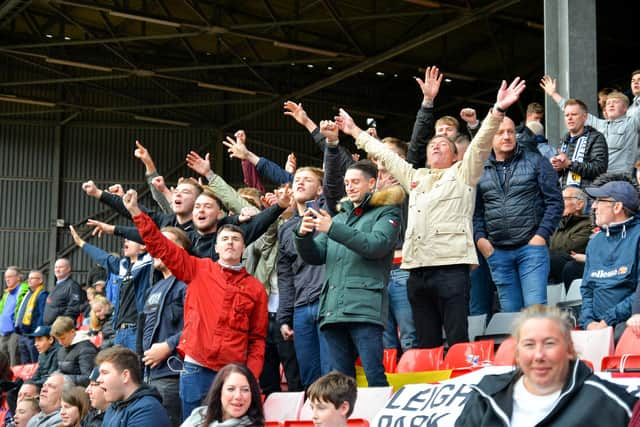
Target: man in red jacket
(225, 311)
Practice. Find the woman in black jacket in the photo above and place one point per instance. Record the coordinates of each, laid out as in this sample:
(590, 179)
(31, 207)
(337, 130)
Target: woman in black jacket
(550, 387)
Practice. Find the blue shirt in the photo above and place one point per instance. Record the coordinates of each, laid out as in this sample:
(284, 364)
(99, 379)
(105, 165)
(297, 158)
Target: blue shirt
(8, 312)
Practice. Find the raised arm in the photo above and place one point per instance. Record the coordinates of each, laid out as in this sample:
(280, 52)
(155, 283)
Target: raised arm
(334, 167)
(480, 147)
(179, 262)
(423, 128)
(226, 193)
(150, 173)
(398, 167)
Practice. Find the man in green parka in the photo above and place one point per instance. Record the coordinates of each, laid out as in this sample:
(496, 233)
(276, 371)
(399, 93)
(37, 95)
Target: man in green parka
(357, 247)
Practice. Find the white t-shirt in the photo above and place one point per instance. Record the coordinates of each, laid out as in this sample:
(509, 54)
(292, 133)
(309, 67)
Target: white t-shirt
(529, 409)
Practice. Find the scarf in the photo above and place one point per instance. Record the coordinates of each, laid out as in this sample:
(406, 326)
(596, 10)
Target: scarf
(578, 156)
(232, 422)
(31, 303)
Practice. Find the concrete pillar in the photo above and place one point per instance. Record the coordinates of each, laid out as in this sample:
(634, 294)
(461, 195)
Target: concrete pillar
(570, 56)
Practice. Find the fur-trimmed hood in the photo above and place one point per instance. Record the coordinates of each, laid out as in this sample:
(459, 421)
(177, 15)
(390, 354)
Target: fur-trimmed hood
(390, 196)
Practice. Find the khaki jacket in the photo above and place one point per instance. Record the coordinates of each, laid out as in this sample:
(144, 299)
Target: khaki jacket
(441, 201)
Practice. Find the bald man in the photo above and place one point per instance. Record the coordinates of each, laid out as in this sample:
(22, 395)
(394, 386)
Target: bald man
(66, 297)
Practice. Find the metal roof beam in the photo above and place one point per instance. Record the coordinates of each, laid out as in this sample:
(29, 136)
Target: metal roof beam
(465, 19)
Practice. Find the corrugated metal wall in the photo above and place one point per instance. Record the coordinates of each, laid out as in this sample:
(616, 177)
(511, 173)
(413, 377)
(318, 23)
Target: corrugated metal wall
(103, 151)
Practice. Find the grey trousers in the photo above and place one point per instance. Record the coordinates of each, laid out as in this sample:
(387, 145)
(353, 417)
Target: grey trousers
(9, 346)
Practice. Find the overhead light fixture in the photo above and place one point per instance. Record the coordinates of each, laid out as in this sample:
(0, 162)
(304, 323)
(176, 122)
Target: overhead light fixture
(379, 73)
(329, 68)
(163, 121)
(78, 64)
(310, 65)
(395, 75)
(226, 88)
(306, 49)
(18, 100)
(67, 38)
(49, 36)
(145, 19)
(447, 80)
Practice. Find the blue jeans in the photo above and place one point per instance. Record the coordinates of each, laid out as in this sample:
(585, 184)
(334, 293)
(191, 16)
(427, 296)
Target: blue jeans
(481, 293)
(127, 338)
(195, 381)
(400, 314)
(348, 340)
(310, 345)
(520, 276)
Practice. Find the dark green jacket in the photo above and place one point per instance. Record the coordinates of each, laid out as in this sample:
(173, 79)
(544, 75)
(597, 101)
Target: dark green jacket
(572, 235)
(358, 253)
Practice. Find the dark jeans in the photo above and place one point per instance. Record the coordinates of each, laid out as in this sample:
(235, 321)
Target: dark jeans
(482, 289)
(439, 297)
(348, 340)
(28, 351)
(279, 351)
(169, 389)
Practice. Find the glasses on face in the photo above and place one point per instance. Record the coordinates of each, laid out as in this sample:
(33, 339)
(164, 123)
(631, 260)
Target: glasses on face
(604, 201)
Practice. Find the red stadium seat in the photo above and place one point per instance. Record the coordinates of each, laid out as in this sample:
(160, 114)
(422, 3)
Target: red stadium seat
(281, 406)
(505, 356)
(24, 371)
(462, 355)
(96, 339)
(629, 343)
(420, 360)
(389, 360)
(627, 362)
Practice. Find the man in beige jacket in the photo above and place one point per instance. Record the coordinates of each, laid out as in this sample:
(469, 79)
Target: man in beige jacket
(439, 246)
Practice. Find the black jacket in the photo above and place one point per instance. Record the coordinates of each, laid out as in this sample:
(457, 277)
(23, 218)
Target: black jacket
(168, 325)
(65, 299)
(585, 400)
(596, 157)
(93, 419)
(47, 364)
(530, 202)
(77, 360)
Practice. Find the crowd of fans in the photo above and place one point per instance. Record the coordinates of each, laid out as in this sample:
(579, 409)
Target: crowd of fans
(218, 287)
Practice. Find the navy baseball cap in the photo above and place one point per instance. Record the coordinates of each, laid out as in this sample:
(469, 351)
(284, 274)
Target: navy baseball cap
(41, 331)
(620, 191)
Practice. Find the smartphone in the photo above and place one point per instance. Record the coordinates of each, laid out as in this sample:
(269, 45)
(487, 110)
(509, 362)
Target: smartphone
(313, 204)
